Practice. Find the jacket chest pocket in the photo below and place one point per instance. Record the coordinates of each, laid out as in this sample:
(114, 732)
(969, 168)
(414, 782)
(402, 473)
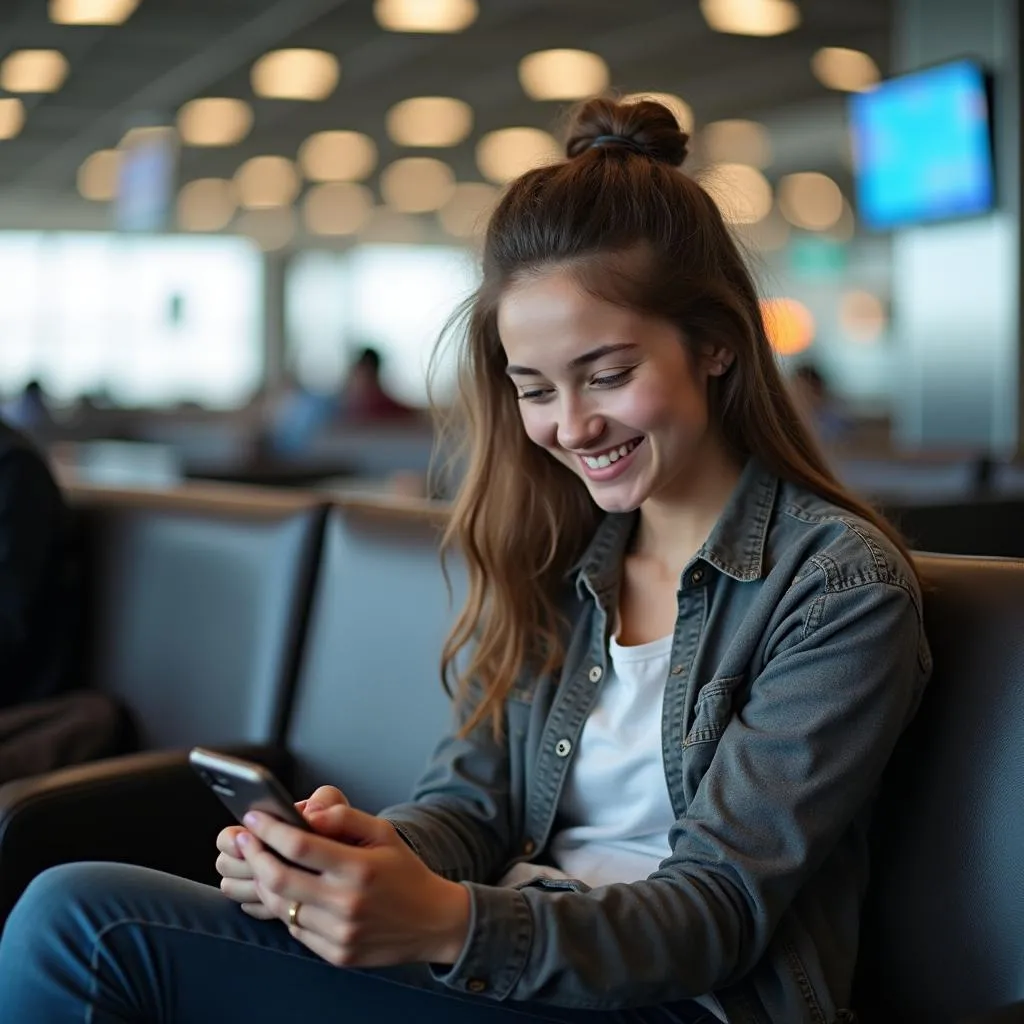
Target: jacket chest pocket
(711, 714)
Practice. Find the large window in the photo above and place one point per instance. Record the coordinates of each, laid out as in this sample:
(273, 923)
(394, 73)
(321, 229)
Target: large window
(146, 320)
(396, 298)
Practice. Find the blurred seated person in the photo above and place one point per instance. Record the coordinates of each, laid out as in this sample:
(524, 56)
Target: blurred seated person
(820, 405)
(36, 575)
(364, 397)
(30, 411)
(295, 417)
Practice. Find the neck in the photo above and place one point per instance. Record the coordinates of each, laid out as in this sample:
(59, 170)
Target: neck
(674, 524)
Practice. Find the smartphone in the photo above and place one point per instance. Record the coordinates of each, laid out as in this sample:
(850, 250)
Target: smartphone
(245, 786)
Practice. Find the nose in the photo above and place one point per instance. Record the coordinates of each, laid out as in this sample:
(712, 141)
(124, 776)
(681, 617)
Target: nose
(579, 425)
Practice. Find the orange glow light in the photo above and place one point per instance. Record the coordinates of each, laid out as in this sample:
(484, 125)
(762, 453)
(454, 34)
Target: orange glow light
(789, 324)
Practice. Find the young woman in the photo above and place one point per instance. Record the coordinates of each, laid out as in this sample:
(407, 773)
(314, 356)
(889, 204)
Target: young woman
(688, 653)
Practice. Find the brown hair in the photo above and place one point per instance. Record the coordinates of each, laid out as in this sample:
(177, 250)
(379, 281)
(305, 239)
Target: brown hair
(620, 216)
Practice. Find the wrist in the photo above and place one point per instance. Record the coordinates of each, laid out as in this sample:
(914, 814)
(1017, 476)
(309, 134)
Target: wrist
(451, 924)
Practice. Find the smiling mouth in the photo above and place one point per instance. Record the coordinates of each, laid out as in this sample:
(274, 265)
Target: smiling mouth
(610, 457)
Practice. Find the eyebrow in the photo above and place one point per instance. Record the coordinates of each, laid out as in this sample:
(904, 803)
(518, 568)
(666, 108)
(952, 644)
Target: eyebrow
(574, 364)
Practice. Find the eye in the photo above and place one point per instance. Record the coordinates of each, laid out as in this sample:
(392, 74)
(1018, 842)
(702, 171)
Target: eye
(534, 394)
(612, 380)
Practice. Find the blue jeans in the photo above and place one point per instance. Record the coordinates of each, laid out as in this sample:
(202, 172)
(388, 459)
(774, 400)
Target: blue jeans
(112, 944)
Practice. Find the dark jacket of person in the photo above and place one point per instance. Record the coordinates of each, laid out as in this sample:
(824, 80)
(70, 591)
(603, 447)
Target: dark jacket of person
(37, 581)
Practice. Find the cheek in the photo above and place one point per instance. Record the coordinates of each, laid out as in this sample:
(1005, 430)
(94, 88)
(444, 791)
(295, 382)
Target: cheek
(539, 425)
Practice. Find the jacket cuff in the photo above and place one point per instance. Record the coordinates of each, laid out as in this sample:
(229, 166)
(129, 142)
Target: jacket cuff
(497, 946)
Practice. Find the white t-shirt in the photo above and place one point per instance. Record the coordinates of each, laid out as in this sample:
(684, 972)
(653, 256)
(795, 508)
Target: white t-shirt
(615, 806)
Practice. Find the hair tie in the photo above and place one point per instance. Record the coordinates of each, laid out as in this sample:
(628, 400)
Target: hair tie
(618, 140)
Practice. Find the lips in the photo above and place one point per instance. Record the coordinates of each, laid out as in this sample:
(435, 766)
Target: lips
(603, 466)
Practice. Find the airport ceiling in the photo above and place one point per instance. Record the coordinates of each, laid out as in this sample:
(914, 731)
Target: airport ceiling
(171, 51)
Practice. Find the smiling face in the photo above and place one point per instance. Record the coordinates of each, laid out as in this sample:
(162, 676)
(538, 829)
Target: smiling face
(614, 395)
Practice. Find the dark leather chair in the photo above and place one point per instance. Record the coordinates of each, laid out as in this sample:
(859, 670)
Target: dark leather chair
(992, 527)
(943, 928)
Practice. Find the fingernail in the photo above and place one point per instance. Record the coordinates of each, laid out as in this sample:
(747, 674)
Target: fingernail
(251, 820)
(243, 839)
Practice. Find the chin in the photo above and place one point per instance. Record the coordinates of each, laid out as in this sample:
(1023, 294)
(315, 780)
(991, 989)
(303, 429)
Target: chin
(610, 500)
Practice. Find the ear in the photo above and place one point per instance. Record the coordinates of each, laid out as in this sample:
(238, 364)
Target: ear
(716, 359)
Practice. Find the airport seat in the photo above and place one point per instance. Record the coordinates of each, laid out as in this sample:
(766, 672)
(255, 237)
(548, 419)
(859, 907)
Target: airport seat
(943, 930)
(987, 527)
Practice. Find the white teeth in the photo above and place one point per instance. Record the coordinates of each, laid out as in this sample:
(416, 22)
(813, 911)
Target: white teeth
(603, 461)
(615, 455)
(624, 450)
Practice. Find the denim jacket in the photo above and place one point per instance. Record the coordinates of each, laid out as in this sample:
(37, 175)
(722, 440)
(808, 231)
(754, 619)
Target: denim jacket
(798, 659)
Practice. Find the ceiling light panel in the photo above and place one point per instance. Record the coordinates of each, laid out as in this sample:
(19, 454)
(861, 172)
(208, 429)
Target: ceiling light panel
(296, 74)
(425, 15)
(91, 12)
(267, 181)
(207, 204)
(417, 184)
(737, 141)
(563, 74)
(508, 152)
(12, 117)
(810, 200)
(338, 156)
(97, 177)
(33, 71)
(431, 121)
(741, 192)
(836, 67)
(214, 121)
(337, 208)
(466, 213)
(751, 17)
(269, 229)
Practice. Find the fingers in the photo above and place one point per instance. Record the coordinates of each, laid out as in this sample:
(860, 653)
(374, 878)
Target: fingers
(260, 912)
(349, 825)
(307, 849)
(324, 797)
(227, 840)
(233, 867)
(240, 890)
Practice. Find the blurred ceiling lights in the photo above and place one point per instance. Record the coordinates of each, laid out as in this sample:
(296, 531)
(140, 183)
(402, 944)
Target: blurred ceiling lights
(789, 324)
(269, 229)
(680, 108)
(337, 208)
(740, 191)
(737, 141)
(91, 12)
(563, 74)
(508, 152)
(433, 121)
(846, 70)
(12, 117)
(768, 235)
(267, 181)
(425, 15)
(206, 204)
(33, 71)
(466, 212)
(214, 121)
(751, 17)
(338, 156)
(296, 75)
(862, 316)
(97, 177)
(846, 227)
(810, 200)
(417, 184)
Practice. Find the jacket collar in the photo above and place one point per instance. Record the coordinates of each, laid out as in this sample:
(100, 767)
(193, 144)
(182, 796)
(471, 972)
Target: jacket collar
(735, 546)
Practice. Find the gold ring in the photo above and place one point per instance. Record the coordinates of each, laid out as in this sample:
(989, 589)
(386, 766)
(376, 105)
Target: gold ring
(293, 914)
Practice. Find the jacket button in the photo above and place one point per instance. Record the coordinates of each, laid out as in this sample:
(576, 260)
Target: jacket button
(562, 747)
(476, 985)
(529, 846)
(677, 670)
(595, 673)
(696, 576)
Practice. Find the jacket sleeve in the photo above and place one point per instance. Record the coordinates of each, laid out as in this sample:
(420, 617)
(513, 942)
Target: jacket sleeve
(29, 523)
(794, 766)
(458, 821)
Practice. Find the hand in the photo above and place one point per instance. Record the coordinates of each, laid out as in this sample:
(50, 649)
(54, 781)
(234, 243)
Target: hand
(236, 875)
(366, 902)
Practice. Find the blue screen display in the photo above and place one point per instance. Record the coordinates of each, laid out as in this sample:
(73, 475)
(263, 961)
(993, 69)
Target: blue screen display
(922, 148)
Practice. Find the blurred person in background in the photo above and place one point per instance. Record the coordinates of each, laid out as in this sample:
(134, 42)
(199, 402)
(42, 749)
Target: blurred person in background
(685, 658)
(364, 398)
(821, 406)
(30, 411)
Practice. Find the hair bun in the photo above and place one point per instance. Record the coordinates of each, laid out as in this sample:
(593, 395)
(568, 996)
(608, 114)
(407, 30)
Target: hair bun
(644, 126)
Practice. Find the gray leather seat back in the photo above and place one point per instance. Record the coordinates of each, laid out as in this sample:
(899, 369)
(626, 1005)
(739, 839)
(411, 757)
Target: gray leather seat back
(943, 930)
(369, 705)
(196, 611)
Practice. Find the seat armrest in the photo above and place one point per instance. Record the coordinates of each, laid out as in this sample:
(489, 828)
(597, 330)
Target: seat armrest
(149, 809)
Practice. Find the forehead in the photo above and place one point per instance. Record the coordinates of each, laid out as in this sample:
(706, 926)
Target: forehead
(551, 313)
